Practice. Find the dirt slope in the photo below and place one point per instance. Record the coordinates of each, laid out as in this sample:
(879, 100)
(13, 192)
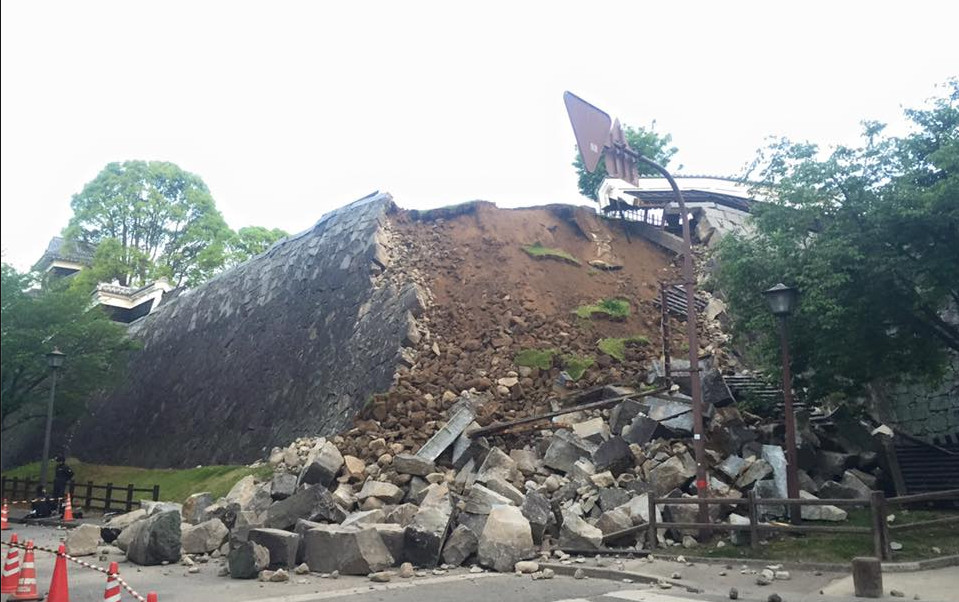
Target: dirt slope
(491, 300)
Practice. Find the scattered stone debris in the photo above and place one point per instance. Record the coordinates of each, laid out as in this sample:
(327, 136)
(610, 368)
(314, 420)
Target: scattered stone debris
(733, 593)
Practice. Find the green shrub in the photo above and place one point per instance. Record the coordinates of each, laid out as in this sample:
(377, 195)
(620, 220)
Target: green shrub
(617, 347)
(576, 365)
(538, 251)
(535, 358)
(614, 309)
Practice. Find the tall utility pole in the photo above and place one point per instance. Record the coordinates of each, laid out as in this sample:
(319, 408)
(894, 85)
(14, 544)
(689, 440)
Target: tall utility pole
(55, 360)
(596, 135)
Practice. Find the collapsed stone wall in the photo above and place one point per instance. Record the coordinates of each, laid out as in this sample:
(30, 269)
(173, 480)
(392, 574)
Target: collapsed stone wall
(295, 340)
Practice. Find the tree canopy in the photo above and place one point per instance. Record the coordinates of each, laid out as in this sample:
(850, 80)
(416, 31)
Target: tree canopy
(32, 323)
(151, 219)
(870, 236)
(645, 141)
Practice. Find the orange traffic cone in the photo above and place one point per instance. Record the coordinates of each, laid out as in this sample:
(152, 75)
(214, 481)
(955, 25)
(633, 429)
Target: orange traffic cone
(68, 511)
(59, 589)
(152, 597)
(27, 586)
(11, 568)
(4, 517)
(112, 592)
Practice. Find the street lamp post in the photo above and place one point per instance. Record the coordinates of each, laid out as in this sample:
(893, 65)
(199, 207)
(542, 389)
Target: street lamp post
(782, 301)
(54, 360)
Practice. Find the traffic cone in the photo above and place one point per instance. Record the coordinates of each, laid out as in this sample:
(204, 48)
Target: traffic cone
(11, 568)
(152, 597)
(4, 522)
(68, 511)
(27, 586)
(59, 589)
(112, 592)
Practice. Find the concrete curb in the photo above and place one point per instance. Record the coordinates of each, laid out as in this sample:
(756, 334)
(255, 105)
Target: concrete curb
(891, 567)
(613, 575)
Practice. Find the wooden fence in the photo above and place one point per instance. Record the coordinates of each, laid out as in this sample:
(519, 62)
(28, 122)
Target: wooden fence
(878, 504)
(89, 496)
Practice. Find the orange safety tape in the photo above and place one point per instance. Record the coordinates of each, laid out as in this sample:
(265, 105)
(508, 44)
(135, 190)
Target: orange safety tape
(82, 563)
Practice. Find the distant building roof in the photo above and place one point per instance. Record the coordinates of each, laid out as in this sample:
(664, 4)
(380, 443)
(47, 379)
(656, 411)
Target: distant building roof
(60, 249)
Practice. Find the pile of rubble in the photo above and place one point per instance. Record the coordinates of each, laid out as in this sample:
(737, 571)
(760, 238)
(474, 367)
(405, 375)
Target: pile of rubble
(579, 484)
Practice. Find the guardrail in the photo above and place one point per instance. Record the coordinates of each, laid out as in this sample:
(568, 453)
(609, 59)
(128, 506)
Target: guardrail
(877, 502)
(90, 496)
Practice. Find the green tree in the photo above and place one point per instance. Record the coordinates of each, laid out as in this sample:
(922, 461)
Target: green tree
(251, 241)
(32, 323)
(870, 236)
(151, 219)
(645, 141)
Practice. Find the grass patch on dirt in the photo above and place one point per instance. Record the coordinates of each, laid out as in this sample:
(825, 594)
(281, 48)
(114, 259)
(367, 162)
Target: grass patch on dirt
(617, 347)
(613, 309)
(577, 365)
(535, 358)
(538, 251)
(175, 484)
(843, 547)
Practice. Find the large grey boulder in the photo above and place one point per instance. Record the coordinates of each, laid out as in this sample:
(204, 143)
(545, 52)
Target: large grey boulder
(731, 467)
(157, 540)
(850, 488)
(83, 540)
(394, 538)
(461, 544)
(349, 550)
(282, 486)
(313, 503)
(506, 539)
(128, 534)
(537, 510)
(204, 537)
(669, 475)
(565, 449)
(224, 510)
(614, 520)
(757, 471)
(831, 465)
(387, 492)
(578, 534)
(403, 514)
(641, 430)
(505, 489)
(322, 465)
(613, 455)
(364, 517)
(482, 499)
(427, 530)
(243, 491)
(246, 559)
(497, 464)
(773, 454)
(413, 465)
(194, 506)
(621, 415)
(824, 513)
(282, 545)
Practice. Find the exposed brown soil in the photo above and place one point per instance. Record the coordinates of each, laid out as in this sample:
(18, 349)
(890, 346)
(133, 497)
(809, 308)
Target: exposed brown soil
(491, 300)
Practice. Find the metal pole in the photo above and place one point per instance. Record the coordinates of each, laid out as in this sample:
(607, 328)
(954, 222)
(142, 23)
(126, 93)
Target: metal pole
(792, 476)
(46, 438)
(689, 280)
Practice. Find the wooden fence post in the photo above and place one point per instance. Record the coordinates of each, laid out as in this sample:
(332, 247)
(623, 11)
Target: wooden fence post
(156, 493)
(107, 498)
(651, 531)
(89, 496)
(880, 530)
(129, 497)
(753, 520)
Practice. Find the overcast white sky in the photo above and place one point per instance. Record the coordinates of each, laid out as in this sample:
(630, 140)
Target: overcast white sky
(290, 109)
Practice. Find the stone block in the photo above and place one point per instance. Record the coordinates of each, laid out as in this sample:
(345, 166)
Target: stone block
(481, 500)
(83, 540)
(426, 532)
(322, 465)
(388, 492)
(349, 550)
(536, 508)
(565, 449)
(576, 533)
(364, 517)
(497, 464)
(773, 454)
(461, 544)
(282, 545)
(204, 537)
(282, 486)
(246, 559)
(505, 489)
(824, 513)
(157, 540)
(313, 503)
(394, 538)
(594, 430)
(506, 539)
(669, 475)
(613, 455)
(194, 506)
(758, 470)
(413, 464)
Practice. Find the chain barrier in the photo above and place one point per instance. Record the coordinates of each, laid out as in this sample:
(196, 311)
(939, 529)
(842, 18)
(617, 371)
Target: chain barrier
(82, 563)
(37, 499)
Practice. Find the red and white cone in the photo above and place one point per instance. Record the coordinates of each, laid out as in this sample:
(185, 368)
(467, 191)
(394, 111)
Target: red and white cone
(27, 585)
(4, 517)
(68, 511)
(59, 588)
(11, 568)
(112, 592)
(152, 597)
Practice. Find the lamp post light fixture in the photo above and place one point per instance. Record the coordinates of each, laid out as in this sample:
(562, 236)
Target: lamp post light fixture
(782, 302)
(55, 361)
